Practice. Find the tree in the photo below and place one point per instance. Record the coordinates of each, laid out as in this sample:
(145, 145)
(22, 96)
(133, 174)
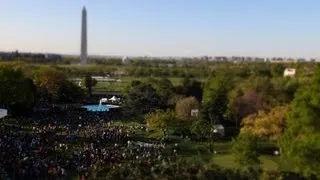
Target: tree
(266, 125)
(245, 152)
(184, 107)
(160, 119)
(17, 92)
(53, 86)
(163, 87)
(89, 82)
(215, 100)
(174, 99)
(51, 81)
(285, 88)
(277, 70)
(71, 92)
(300, 143)
(141, 99)
(190, 88)
(250, 97)
(201, 128)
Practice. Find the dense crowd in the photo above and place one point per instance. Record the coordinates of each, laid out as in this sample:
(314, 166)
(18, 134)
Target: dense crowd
(73, 142)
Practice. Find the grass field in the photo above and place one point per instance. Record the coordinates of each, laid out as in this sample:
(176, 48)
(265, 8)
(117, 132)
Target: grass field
(125, 81)
(199, 151)
(268, 162)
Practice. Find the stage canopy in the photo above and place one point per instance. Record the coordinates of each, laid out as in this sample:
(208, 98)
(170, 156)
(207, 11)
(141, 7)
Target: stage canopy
(3, 113)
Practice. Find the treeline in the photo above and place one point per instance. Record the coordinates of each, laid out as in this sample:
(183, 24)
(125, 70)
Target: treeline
(194, 70)
(22, 89)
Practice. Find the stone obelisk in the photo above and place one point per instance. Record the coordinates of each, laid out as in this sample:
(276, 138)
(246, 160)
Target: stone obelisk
(84, 50)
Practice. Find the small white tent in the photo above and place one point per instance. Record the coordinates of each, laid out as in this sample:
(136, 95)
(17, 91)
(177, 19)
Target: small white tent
(113, 99)
(3, 113)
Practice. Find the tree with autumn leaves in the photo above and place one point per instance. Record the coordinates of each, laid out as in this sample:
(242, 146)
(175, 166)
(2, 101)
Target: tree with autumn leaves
(53, 86)
(266, 125)
(184, 108)
(161, 119)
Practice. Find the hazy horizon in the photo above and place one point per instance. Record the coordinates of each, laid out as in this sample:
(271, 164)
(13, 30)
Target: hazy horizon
(164, 28)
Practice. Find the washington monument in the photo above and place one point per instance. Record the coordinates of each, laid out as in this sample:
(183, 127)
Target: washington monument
(84, 51)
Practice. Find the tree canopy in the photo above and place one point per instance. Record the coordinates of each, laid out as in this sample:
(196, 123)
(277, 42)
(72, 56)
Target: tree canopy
(141, 99)
(184, 107)
(300, 143)
(89, 82)
(215, 99)
(17, 92)
(266, 125)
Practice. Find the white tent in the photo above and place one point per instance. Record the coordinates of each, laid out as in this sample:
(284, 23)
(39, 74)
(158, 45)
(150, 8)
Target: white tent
(113, 99)
(3, 113)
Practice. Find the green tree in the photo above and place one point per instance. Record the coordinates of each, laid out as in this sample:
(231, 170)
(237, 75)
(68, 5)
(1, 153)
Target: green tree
(300, 143)
(190, 87)
(215, 99)
(141, 99)
(17, 92)
(277, 69)
(244, 150)
(163, 87)
(89, 82)
(285, 88)
(201, 129)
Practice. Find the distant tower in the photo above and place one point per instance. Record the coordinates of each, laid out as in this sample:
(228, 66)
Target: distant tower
(84, 51)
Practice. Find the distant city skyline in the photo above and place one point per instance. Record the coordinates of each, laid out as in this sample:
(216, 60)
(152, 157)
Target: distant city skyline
(287, 28)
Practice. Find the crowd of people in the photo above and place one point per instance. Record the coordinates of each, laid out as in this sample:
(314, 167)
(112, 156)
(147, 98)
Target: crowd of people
(72, 142)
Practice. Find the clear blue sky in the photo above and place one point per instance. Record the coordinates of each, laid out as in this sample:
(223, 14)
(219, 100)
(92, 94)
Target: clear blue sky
(164, 27)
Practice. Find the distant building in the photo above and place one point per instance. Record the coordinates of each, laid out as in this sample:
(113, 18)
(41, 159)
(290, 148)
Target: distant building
(125, 60)
(194, 112)
(289, 72)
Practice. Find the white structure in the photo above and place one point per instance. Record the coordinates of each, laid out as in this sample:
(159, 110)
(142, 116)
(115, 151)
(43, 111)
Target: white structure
(124, 59)
(3, 113)
(219, 129)
(84, 52)
(289, 72)
(194, 112)
(114, 99)
(103, 100)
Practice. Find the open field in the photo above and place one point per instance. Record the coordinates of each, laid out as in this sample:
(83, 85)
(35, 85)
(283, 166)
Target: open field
(125, 81)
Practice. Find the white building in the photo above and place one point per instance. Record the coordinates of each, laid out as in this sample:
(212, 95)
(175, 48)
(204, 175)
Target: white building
(125, 59)
(194, 112)
(289, 72)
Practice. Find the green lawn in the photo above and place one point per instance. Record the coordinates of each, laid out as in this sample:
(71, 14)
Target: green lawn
(125, 81)
(227, 161)
(200, 151)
